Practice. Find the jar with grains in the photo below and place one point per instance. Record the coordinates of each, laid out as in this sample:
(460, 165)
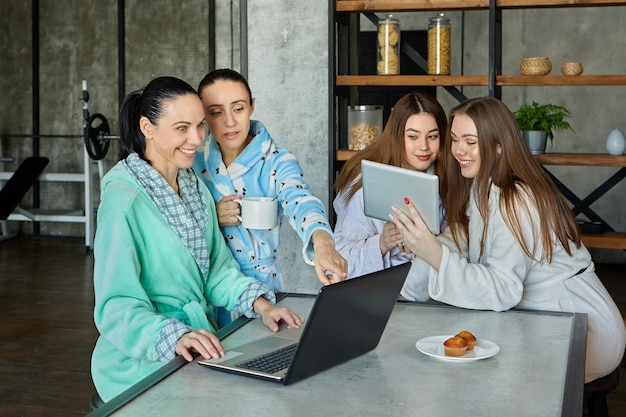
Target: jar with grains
(388, 46)
(365, 124)
(439, 35)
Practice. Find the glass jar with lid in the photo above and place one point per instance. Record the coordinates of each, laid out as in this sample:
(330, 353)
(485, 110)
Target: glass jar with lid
(439, 35)
(388, 46)
(365, 124)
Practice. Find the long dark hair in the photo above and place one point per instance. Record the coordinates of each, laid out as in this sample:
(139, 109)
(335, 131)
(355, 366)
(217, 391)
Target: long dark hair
(224, 74)
(506, 162)
(146, 102)
(389, 147)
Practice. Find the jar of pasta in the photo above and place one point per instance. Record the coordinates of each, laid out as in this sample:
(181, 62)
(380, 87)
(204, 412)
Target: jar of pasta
(365, 124)
(388, 46)
(439, 34)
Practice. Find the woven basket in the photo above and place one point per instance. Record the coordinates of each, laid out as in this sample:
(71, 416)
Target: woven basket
(572, 68)
(535, 66)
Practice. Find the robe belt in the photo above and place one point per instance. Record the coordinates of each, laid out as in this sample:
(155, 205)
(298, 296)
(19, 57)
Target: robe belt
(258, 262)
(197, 316)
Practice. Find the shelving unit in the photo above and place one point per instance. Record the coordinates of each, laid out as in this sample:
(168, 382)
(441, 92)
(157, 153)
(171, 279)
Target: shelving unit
(610, 239)
(345, 84)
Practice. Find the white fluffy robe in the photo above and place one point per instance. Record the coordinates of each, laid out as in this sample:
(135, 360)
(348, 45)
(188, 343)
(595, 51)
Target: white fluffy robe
(504, 277)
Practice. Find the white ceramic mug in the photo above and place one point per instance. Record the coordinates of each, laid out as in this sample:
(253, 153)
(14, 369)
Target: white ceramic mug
(258, 212)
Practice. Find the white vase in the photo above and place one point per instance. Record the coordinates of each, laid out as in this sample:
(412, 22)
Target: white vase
(615, 142)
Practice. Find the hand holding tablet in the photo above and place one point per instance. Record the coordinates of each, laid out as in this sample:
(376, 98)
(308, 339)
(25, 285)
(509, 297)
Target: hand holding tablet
(386, 185)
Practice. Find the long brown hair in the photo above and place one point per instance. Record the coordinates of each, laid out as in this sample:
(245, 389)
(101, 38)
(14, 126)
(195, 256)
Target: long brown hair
(506, 162)
(389, 147)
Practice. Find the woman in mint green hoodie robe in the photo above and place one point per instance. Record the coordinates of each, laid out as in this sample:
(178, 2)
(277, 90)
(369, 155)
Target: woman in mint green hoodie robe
(160, 260)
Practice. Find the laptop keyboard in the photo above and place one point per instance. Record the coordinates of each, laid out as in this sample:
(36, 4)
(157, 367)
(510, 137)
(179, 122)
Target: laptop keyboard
(271, 362)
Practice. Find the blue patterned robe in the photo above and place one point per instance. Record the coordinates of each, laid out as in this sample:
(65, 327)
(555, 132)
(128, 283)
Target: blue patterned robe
(263, 169)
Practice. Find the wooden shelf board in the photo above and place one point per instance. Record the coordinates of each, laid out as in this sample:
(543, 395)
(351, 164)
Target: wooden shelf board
(424, 5)
(411, 80)
(580, 159)
(560, 80)
(407, 5)
(606, 240)
(480, 80)
(343, 154)
(512, 4)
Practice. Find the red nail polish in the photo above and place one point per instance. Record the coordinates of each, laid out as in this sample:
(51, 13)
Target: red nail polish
(406, 200)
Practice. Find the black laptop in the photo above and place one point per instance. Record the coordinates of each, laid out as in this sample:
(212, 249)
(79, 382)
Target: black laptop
(347, 319)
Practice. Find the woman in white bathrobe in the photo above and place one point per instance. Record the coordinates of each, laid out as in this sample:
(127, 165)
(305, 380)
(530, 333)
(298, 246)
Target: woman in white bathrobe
(411, 139)
(512, 241)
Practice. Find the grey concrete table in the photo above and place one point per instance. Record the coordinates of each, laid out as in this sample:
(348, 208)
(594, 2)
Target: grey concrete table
(539, 371)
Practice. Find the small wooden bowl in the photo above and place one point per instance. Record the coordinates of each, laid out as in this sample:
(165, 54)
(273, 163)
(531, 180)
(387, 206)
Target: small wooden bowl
(572, 68)
(535, 66)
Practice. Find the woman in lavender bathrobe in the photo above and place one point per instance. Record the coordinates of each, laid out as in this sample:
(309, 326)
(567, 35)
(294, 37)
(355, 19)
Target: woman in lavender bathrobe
(411, 139)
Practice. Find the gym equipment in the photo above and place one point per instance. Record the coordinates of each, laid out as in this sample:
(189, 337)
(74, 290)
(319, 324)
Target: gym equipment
(96, 133)
(16, 188)
(97, 136)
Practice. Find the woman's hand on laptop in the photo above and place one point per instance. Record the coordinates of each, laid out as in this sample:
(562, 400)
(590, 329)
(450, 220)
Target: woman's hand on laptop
(203, 342)
(330, 266)
(417, 238)
(272, 315)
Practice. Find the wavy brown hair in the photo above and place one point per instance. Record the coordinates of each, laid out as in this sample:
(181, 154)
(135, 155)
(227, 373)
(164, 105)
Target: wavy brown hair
(389, 147)
(506, 162)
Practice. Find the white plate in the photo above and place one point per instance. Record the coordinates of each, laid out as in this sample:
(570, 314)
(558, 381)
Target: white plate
(433, 346)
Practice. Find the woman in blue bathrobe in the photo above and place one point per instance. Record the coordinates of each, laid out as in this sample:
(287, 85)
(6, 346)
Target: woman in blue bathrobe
(240, 159)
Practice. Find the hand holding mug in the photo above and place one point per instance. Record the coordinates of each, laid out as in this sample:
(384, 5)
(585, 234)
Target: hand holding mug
(258, 212)
(227, 210)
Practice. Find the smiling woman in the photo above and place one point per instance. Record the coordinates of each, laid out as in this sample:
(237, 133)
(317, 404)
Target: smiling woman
(172, 142)
(170, 129)
(160, 260)
(512, 241)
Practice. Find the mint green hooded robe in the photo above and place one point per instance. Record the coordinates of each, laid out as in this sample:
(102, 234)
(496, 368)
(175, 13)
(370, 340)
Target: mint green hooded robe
(144, 276)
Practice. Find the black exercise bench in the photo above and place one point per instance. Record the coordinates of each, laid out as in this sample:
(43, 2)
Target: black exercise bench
(17, 186)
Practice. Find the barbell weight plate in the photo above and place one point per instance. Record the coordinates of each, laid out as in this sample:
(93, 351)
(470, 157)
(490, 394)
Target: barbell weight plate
(97, 128)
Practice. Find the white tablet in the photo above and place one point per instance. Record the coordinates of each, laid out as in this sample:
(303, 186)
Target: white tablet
(386, 185)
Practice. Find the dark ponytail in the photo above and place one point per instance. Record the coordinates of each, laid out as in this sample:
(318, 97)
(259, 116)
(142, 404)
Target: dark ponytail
(132, 139)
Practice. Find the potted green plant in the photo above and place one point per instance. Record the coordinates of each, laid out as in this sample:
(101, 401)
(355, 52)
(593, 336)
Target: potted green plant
(538, 123)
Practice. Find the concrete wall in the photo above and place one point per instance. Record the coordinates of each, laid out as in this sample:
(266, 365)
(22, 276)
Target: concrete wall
(78, 41)
(288, 73)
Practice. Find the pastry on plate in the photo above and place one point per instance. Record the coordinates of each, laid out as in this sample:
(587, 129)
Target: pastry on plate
(455, 346)
(469, 338)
